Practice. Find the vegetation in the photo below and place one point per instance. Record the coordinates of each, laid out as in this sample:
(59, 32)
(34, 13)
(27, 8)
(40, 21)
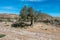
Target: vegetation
(23, 14)
(2, 35)
(20, 24)
(27, 14)
(30, 15)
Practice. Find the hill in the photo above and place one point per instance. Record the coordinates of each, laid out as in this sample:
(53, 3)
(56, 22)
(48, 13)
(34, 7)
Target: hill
(40, 18)
(8, 15)
(40, 31)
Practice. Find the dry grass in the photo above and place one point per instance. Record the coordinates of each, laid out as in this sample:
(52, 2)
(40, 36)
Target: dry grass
(40, 31)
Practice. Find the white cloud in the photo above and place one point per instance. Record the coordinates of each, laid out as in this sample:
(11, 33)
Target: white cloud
(8, 8)
(33, 0)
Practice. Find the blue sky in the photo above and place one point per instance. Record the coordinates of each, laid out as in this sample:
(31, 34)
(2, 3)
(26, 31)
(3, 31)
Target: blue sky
(51, 7)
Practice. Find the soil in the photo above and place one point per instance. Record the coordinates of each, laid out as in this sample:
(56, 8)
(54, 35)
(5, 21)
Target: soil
(39, 31)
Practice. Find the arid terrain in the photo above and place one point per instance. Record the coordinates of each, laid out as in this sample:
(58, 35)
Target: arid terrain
(29, 19)
(40, 31)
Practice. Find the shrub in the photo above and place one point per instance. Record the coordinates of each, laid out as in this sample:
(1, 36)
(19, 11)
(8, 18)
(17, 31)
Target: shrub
(2, 35)
(20, 24)
(45, 29)
(0, 20)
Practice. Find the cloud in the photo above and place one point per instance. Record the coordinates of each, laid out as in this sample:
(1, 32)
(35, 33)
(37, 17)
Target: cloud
(8, 8)
(33, 0)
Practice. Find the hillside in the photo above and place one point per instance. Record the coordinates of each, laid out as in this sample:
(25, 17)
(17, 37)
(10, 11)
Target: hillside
(40, 18)
(57, 18)
(44, 16)
(42, 30)
(6, 15)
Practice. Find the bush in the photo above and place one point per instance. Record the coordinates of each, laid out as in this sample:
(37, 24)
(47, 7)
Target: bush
(20, 24)
(45, 29)
(2, 35)
(1, 20)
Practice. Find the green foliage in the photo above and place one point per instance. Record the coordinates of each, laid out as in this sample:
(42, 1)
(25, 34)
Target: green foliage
(46, 29)
(1, 20)
(2, 35)
(30, 11)
(23, 13)
(20, 24)
(29, 15)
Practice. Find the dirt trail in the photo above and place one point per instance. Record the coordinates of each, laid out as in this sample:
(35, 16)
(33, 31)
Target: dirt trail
(38, 32)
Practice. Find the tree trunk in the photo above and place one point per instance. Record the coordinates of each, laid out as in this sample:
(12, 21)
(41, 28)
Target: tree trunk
(32, 21)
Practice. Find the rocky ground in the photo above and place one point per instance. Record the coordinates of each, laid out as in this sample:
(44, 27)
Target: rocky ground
(40, 31)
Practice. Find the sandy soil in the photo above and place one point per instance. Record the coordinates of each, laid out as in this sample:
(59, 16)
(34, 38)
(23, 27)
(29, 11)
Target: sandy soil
(40, 31)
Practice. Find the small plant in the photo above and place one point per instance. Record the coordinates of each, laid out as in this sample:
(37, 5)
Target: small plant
(45, 29)
(7, 25)
(20, 24)
(2, 35)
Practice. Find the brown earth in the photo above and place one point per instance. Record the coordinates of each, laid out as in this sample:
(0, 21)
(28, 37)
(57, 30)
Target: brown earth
(5, 15)
(40, 31)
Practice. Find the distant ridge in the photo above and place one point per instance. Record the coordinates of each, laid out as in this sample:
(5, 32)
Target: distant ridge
(6, 15)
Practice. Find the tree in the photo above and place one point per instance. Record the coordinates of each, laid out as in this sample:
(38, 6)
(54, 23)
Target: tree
(23, 13)
(31, 14)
